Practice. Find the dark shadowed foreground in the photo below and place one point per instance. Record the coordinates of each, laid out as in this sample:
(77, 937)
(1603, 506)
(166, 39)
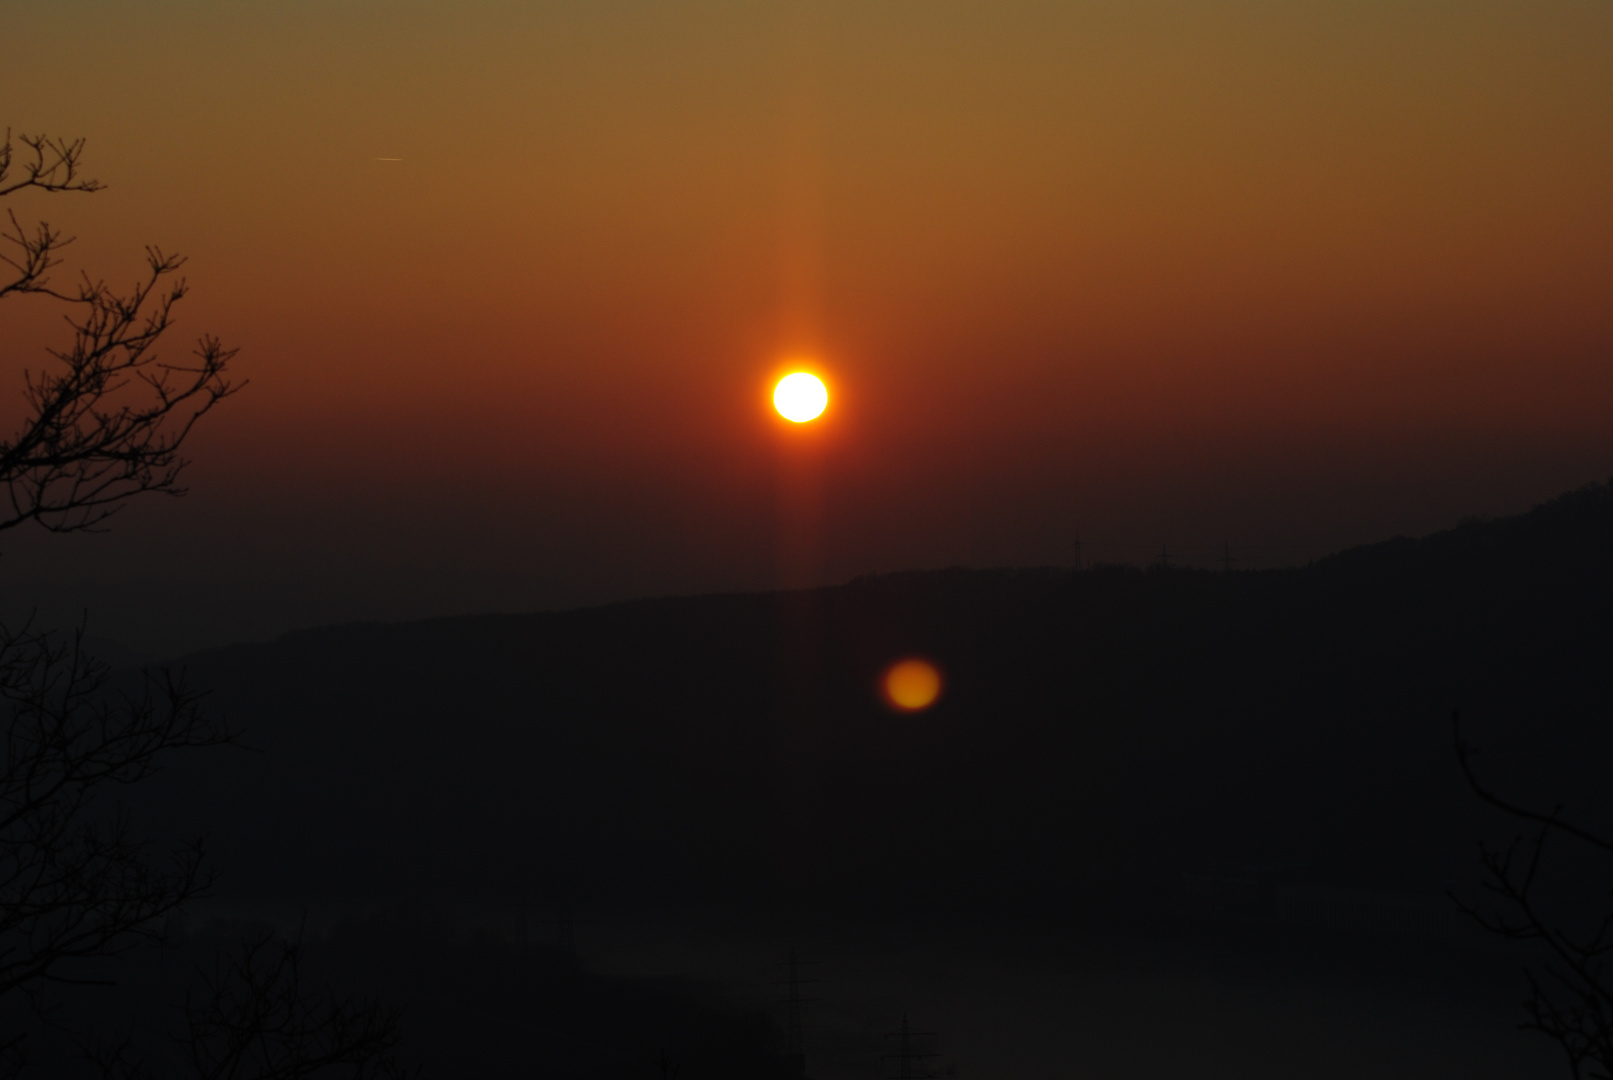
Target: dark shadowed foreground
(1192, 820)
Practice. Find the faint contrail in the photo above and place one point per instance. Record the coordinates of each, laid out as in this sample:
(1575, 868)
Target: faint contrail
(388, 159)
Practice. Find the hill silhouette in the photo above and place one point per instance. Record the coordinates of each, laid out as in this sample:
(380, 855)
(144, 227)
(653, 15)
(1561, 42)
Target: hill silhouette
(1103, 730)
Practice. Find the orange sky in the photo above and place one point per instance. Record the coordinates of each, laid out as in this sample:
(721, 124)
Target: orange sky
(1287, 276)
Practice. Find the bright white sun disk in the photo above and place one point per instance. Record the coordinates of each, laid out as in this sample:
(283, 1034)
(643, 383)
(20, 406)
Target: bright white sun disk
(800, 397)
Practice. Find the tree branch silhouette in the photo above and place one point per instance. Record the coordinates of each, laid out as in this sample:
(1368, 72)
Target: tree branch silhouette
(1571, 999)
(75, 883)
(254, 1019)
(253, 1016)
(106, 421)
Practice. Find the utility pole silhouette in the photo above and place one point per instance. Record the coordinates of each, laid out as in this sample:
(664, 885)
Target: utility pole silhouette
(1164, 557)
(1078, 551)
(1226, 557)
(912, 1063)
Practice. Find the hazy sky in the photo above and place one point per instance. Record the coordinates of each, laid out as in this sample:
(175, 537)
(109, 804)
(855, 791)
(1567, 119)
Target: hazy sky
(1284, 276)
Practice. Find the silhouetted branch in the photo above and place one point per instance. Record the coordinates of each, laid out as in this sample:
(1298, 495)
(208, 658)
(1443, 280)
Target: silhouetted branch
(75, 883)
(36, 255)
(252, 1016)
(108, 422)
(105, 423)
(48, 163)
(1573, 1004)
(1552, 821)
(253, 1019)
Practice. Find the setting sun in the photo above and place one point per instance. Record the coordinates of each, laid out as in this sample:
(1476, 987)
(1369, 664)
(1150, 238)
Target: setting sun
(800, 397)
(910, 685)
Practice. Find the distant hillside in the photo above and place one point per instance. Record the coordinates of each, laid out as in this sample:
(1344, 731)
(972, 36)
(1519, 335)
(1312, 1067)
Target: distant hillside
(1108, 724)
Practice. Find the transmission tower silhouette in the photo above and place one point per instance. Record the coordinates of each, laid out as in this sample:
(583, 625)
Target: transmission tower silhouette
(912, 1063)
(794, 1047)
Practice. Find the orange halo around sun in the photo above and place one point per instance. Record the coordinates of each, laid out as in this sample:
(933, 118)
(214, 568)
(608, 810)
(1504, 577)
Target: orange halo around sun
(911, 685)
(800, 396)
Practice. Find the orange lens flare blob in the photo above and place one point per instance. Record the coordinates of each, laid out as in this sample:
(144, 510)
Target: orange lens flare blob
(910, 685)
(800, 396)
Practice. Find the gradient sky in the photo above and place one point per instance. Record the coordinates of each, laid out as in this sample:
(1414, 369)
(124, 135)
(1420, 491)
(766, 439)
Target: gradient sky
(1282, 276)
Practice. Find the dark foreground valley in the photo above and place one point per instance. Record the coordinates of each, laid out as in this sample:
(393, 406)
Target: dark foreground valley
(1162, 822)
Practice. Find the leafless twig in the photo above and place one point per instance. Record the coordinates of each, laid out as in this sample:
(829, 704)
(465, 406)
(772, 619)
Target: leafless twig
(106, 422)
(75, 883)
(253, 1018)
(1571, 1000)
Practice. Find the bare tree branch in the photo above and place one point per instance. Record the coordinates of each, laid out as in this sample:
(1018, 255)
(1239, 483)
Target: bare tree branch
(1571, 1001)
(1552, 821)
(47, 163)
(252, 1018)
(75, 883)
(107, 421)
(252, 1015)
